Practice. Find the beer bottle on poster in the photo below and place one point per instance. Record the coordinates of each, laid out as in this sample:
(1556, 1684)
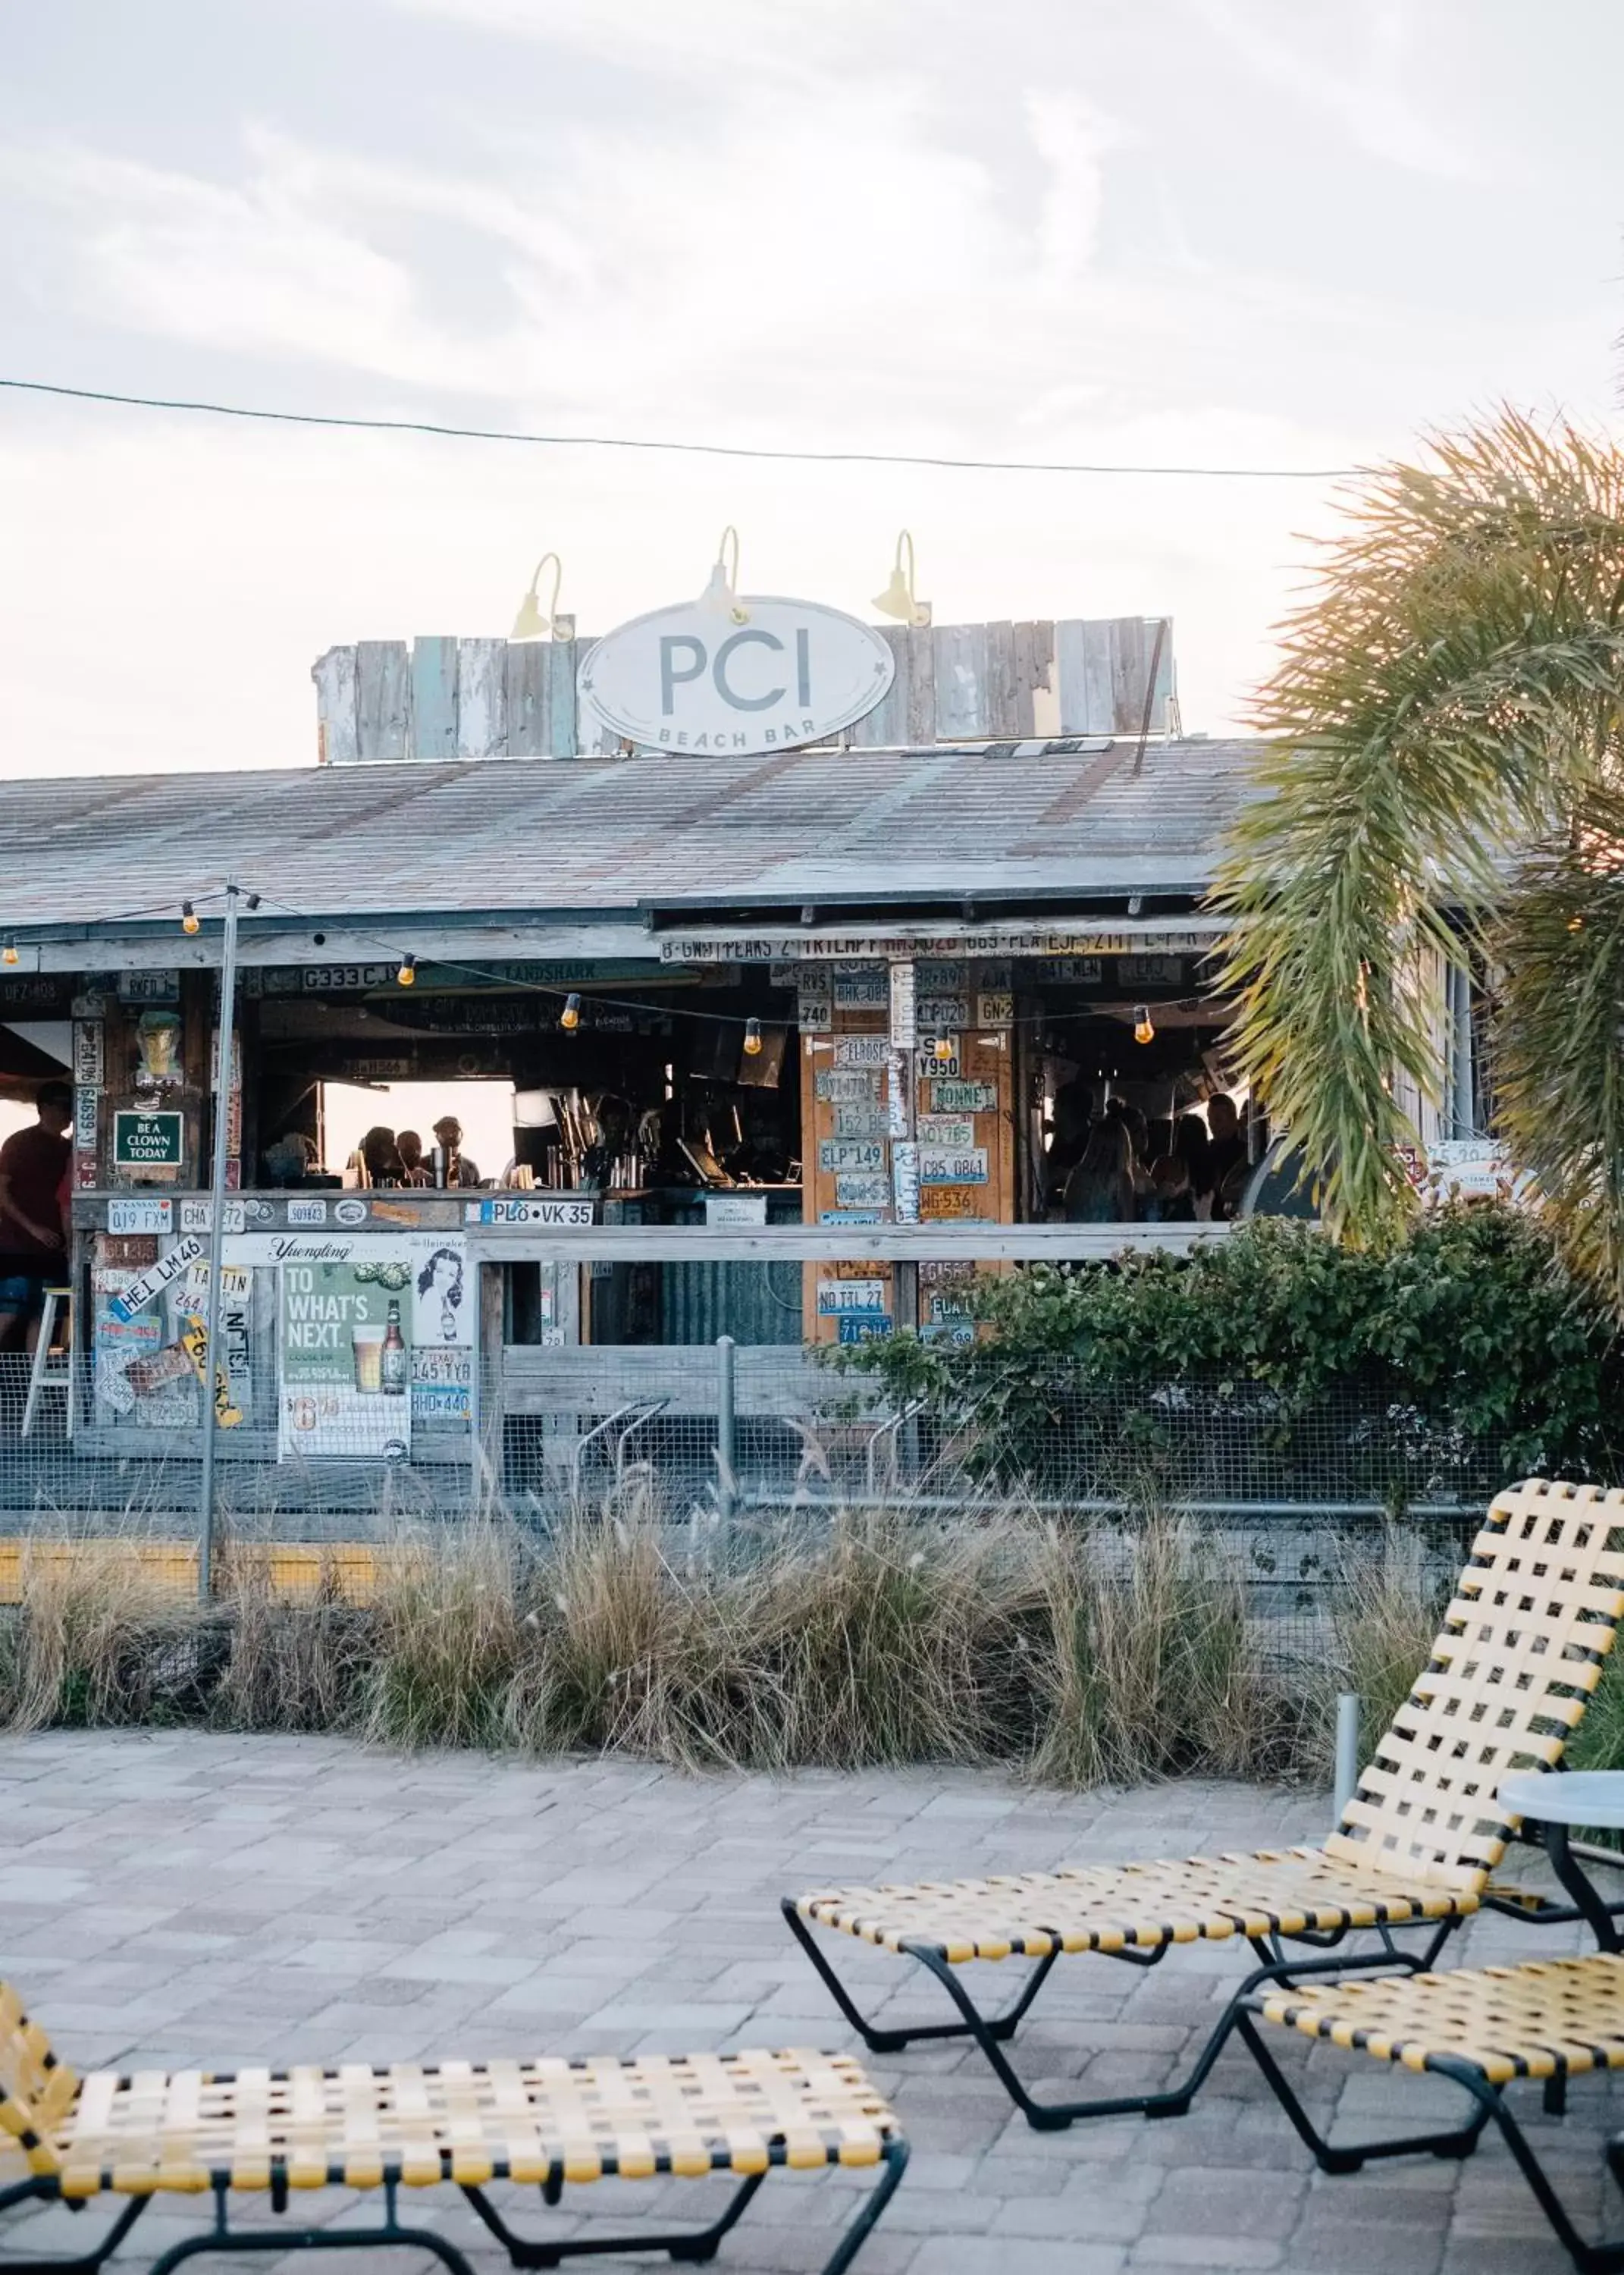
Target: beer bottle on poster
(392, 1364)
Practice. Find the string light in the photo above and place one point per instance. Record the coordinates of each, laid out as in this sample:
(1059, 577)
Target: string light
(941, 1048)
(570, 1017)
(752, 1039)
(408, 973)
(189, 919)
(8, 954)
(1143, 1031)
(1576, 923)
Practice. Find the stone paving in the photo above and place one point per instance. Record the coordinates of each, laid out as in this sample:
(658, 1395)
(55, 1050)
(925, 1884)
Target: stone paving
(182, 1899)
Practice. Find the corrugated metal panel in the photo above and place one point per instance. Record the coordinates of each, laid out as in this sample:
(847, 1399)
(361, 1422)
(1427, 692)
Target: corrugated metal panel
(752, 1303)
(601, 835)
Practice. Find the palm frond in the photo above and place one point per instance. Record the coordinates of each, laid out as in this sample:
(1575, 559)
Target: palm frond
(1449, 692)
(1560, 1039)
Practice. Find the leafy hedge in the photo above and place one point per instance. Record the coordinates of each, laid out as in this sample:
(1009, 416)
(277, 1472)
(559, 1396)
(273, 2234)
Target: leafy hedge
(1470, 1322)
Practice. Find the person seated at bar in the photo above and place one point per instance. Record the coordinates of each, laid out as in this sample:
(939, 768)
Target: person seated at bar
(459, 1170)
(1191, 1146)
(1124, 1110)
(1170, 1199)
(379, 1152)
(1226, 1154)
(1099, 1191)
(33, 1246)
(414, 1169)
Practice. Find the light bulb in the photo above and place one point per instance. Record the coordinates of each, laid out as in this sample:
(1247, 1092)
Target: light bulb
(942, 1047)
(752, 1039)
(8, 954)
(408, 973)
(189, 919)
(1143, 1031)
(1576, 923)
(570, 1017)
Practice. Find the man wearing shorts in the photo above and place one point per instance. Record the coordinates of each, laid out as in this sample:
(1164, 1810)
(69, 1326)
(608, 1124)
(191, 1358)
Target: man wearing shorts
(33, 1250)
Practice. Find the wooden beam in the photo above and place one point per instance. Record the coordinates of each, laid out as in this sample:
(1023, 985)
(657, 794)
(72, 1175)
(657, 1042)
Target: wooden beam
(1005, 1244)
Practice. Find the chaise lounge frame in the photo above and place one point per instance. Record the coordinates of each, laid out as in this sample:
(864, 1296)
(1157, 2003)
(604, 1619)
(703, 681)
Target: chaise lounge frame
(1485, 2029)
(1521, 1650)
(547, 2124)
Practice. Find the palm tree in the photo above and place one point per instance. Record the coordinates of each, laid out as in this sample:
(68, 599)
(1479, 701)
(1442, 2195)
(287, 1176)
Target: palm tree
(1445, 772)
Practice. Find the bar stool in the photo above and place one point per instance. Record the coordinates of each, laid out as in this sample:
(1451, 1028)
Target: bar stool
(41, 1375)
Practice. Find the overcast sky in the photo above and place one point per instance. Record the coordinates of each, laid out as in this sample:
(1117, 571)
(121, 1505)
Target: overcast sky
(1211, 231)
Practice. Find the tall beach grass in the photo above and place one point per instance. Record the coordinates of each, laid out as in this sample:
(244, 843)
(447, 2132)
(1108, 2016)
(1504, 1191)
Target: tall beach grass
(1083, 1653)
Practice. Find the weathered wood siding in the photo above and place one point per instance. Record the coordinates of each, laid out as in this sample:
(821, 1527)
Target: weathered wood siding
(337, 728)
(1005, 682)
(383, 699)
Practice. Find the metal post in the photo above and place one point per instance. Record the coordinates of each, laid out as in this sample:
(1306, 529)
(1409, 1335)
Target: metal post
(216, 1233)
(1347, 1750)
(727, 1476)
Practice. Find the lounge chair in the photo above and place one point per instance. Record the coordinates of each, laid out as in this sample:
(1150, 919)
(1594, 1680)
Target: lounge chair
(1521, 1650)
(540, 2123)
(1485, 2027)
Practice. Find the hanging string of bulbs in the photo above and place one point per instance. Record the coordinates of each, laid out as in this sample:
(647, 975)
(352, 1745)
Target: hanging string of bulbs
(571, 1014)
(938, 1048)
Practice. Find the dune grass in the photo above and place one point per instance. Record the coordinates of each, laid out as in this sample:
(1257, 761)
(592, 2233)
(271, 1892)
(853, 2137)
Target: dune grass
(1083, 1653)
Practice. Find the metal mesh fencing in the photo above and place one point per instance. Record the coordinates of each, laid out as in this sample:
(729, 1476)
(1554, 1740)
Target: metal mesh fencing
(746, 1429)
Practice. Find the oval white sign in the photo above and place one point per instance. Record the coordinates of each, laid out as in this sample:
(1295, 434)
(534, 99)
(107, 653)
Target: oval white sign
(689, 679)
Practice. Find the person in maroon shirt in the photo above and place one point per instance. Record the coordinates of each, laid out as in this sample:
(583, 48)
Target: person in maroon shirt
(33, 1249)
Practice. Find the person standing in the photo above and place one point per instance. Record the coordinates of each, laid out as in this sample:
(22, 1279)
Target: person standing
(459, 1169)
(33, 1242)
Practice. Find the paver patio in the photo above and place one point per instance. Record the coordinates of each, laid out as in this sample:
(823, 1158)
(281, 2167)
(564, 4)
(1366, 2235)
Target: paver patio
(174, 1897)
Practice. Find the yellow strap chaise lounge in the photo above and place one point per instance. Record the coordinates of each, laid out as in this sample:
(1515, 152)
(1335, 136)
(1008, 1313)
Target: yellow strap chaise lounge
(1485, 2028)
(1521, 1650)
(266, 2133)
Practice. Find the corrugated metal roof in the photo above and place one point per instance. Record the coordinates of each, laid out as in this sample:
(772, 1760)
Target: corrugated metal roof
(597, 834)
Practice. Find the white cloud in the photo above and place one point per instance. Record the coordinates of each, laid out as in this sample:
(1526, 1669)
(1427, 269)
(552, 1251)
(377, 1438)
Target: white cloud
(279, 265)
(1036, 233)
(1366, 99)
(715, 46)
(1072, 139)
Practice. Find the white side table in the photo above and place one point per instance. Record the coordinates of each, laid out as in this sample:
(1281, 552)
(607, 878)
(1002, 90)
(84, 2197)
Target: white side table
(1551, 1802)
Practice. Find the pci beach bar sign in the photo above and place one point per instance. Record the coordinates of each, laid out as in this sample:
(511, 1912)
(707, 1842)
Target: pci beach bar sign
(694, 678)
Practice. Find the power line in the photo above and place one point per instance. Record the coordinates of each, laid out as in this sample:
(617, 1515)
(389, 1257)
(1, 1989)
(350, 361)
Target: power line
(693, 449)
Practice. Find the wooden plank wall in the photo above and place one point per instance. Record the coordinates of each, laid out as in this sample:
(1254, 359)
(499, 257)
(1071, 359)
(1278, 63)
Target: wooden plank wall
(1004, 682)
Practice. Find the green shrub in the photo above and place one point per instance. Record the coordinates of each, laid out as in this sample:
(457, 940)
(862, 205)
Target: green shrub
(1470, 1321)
